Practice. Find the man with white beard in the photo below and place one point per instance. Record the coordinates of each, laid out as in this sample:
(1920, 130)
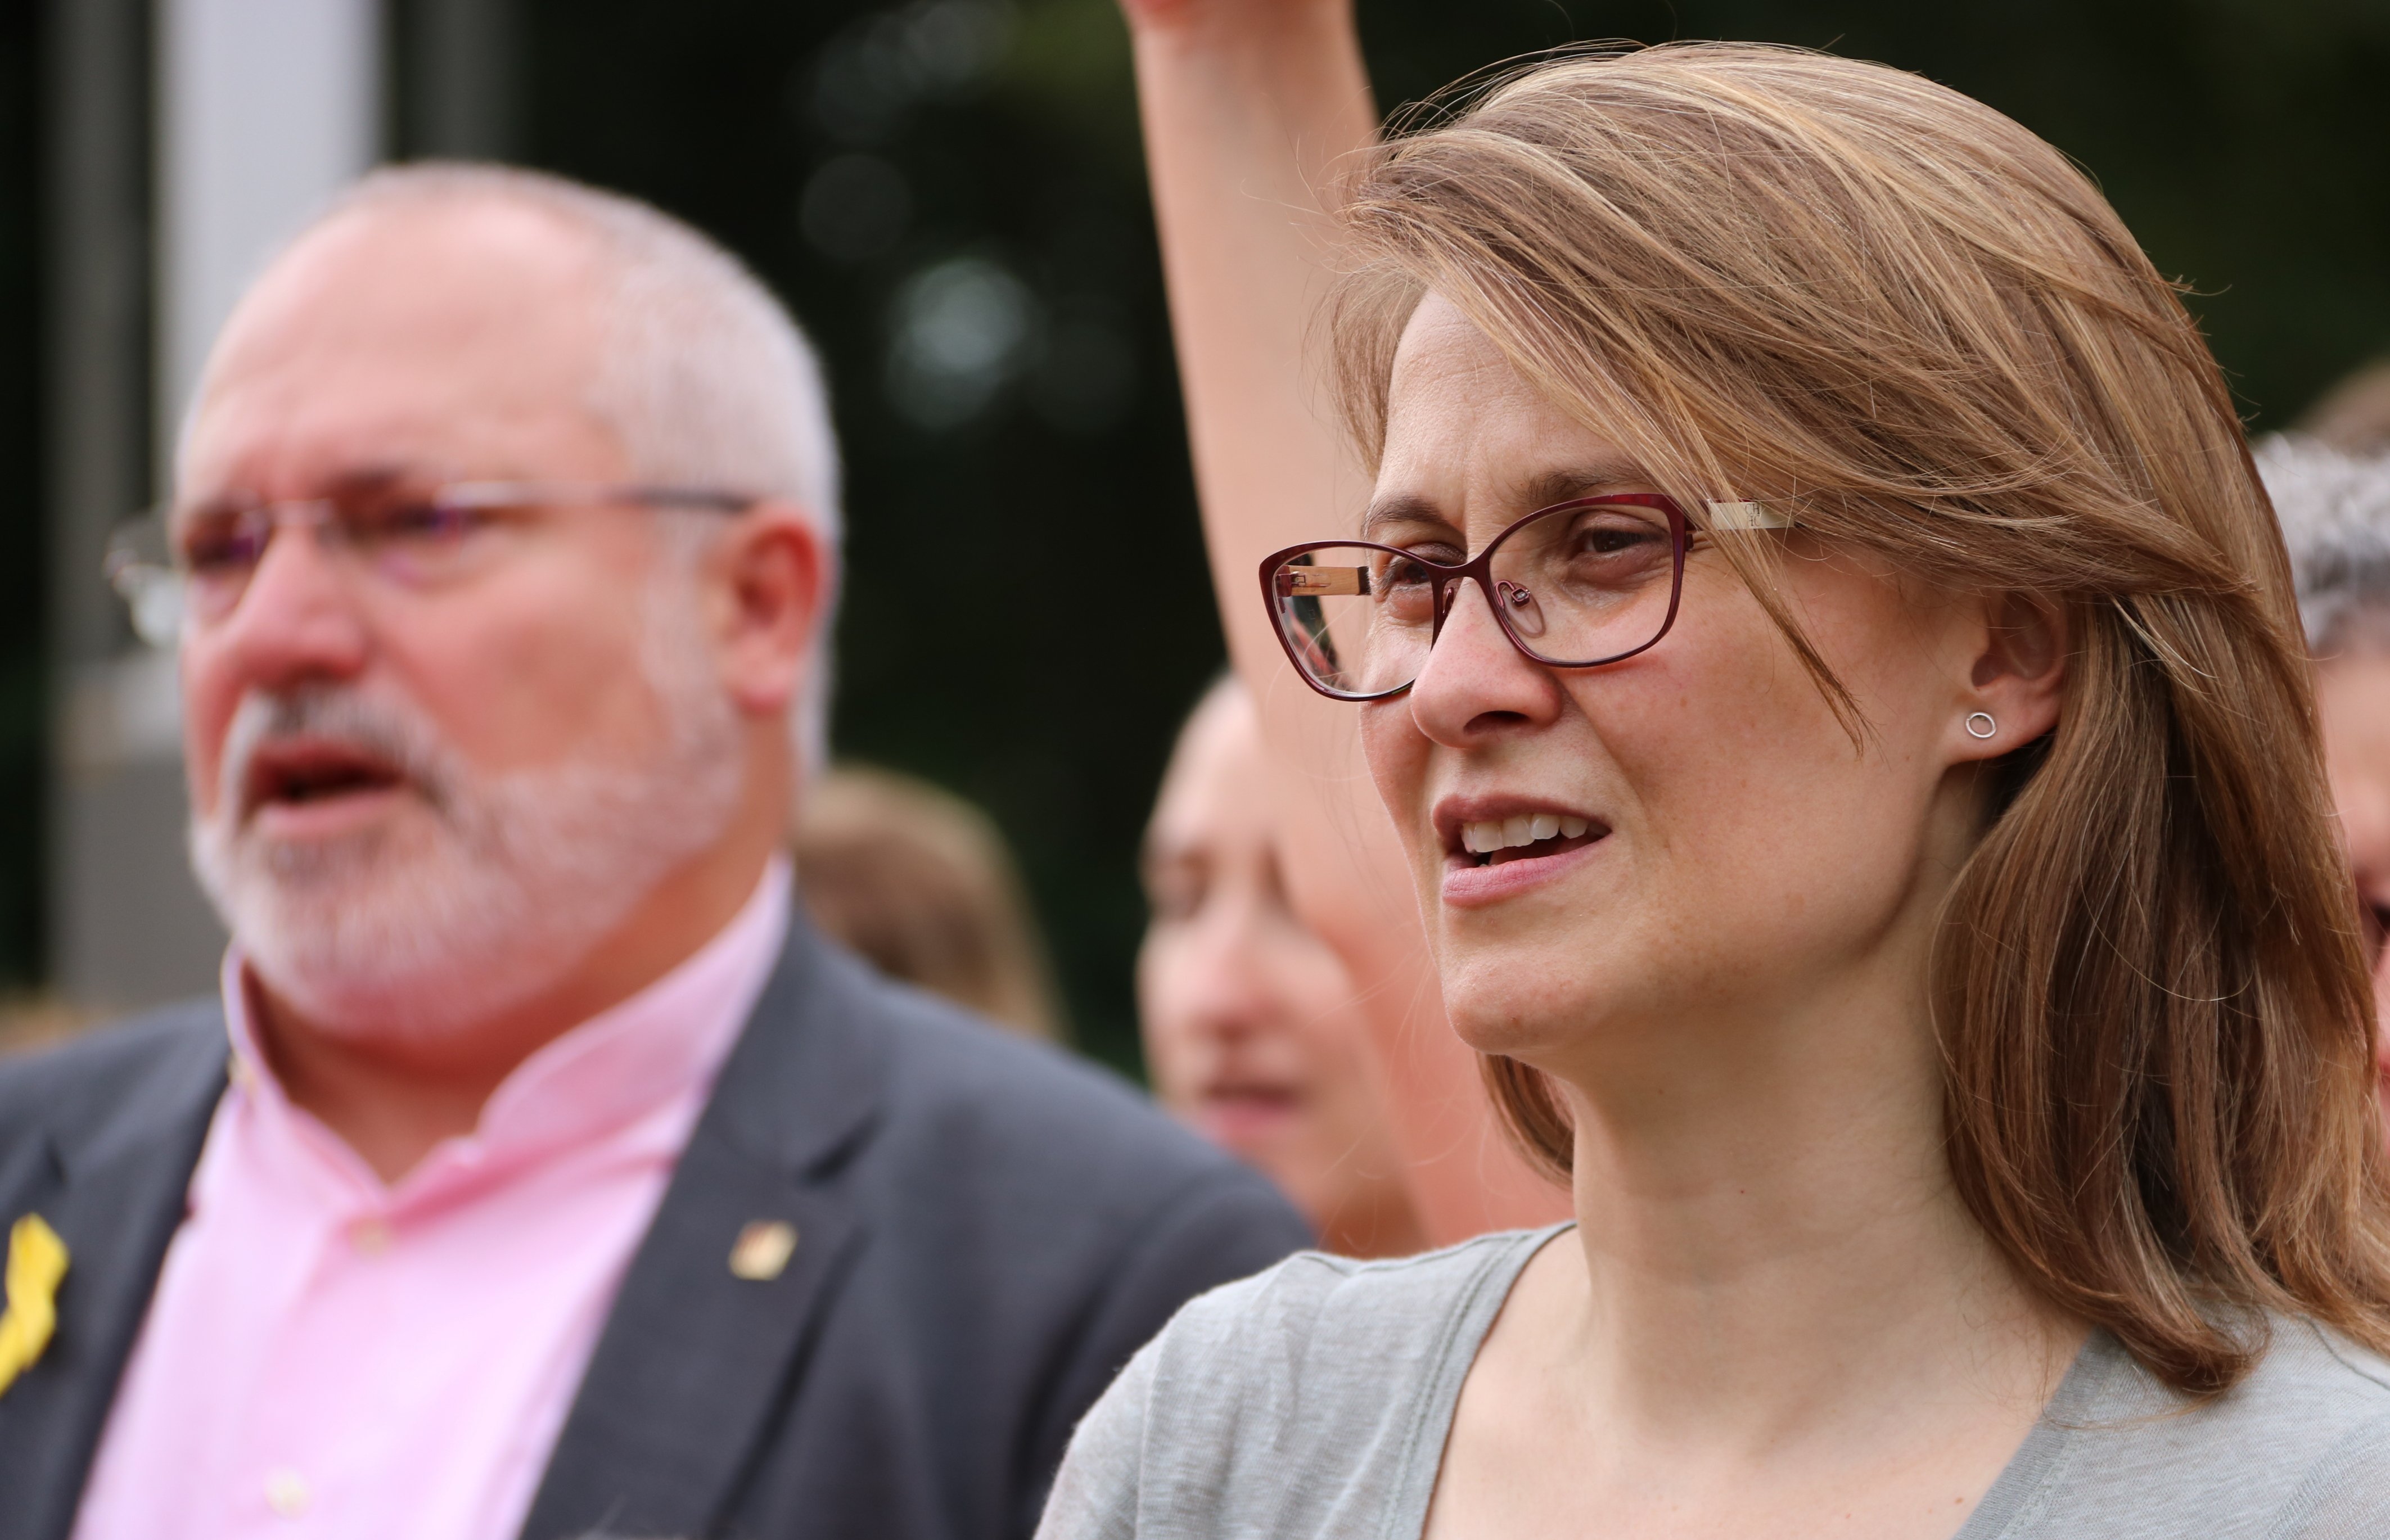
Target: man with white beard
(540, 1171)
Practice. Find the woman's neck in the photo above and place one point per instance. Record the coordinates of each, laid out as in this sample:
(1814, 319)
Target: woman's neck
(1768, 1229)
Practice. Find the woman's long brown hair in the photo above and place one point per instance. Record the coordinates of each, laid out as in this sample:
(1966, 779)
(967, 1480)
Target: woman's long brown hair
(1847, 291)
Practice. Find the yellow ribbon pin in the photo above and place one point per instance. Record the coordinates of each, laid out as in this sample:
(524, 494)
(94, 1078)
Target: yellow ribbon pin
(37, 1260)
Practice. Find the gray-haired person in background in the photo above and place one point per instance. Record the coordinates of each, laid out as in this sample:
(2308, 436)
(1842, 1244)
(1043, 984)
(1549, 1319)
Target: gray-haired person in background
(2334, 509)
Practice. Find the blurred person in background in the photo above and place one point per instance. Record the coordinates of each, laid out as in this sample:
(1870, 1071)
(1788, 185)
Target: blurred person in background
(1255, 1032)
(919, 884)
(540, 1171)
(2334, 509)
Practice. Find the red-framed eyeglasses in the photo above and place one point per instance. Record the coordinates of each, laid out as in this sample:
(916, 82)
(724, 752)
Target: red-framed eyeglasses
(1577, 584)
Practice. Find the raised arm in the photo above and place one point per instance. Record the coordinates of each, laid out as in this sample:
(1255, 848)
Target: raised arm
(1252, 110)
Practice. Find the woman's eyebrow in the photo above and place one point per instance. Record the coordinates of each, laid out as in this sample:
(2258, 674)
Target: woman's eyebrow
(1589, 479)
(1401, 508)
(1586, 479)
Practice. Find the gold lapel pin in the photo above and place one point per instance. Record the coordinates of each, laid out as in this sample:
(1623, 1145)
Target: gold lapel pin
(37, 1260)
(762, 1250)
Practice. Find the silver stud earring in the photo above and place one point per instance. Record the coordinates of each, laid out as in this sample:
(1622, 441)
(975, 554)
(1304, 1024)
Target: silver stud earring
(1988, 729)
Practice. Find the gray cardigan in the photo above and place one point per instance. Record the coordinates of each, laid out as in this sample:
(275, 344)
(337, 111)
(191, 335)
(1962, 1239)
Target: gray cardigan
(987, 1230)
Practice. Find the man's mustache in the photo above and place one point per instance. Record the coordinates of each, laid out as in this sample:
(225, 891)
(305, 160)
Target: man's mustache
(393, 735)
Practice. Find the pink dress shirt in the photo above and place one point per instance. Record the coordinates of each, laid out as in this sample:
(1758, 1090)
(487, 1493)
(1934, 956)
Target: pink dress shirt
(329, 1356)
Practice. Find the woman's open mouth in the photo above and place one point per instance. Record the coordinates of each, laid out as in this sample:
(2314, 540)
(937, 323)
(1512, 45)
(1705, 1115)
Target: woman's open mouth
(1488, 858)
(1524, 836)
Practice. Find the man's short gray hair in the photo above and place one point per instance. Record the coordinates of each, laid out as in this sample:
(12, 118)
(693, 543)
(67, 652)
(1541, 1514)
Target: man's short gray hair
(2334, 509)
(703, 374)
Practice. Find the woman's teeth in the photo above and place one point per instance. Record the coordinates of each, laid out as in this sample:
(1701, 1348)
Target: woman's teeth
(1489, 835)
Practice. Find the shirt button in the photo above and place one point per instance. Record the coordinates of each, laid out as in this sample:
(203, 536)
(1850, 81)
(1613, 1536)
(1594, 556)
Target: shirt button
(370, 1236)
(286, 1493)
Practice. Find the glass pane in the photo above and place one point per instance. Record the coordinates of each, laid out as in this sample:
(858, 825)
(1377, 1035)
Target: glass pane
(1357, 618)
(1589, 584)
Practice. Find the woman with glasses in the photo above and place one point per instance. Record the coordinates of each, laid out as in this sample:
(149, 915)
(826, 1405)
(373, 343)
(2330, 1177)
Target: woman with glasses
(1831, 668)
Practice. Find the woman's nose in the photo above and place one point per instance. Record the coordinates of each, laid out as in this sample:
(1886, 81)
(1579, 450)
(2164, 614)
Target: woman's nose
(1474, 681)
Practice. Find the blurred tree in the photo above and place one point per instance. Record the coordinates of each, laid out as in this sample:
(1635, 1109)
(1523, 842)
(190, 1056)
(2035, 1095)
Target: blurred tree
(949, 193)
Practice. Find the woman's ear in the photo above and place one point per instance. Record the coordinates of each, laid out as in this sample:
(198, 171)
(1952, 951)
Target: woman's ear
(2017, 678)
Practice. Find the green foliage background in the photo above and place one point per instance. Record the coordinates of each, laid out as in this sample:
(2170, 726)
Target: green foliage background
(2243, 140)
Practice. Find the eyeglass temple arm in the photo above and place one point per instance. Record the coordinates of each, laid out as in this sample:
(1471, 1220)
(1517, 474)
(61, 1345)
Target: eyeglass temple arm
(498, 494)
(690, 497)
(1745, 516)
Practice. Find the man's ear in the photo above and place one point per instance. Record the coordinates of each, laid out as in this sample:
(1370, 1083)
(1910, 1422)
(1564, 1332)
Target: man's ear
(2017, 678)
(774, 571)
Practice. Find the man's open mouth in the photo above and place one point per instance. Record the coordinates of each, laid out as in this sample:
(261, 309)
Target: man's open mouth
(302, 773)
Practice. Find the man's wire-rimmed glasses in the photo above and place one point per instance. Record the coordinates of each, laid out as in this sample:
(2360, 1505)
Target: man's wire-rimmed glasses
(1577, 584)
(176, 569)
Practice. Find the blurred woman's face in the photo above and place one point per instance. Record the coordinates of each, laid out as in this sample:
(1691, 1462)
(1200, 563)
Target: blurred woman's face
(1740, 849)
(1252, 1032)
(2353, 693)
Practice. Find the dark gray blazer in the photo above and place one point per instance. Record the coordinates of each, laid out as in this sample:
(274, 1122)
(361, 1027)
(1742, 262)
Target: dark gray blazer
(986, 1231)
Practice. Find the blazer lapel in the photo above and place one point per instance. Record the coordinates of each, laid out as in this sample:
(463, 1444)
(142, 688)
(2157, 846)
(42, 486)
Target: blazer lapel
(695, 1359)
(115, 1193)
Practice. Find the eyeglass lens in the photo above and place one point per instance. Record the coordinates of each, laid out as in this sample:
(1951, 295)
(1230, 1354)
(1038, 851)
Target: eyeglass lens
(1575, 588)
(408, 536)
